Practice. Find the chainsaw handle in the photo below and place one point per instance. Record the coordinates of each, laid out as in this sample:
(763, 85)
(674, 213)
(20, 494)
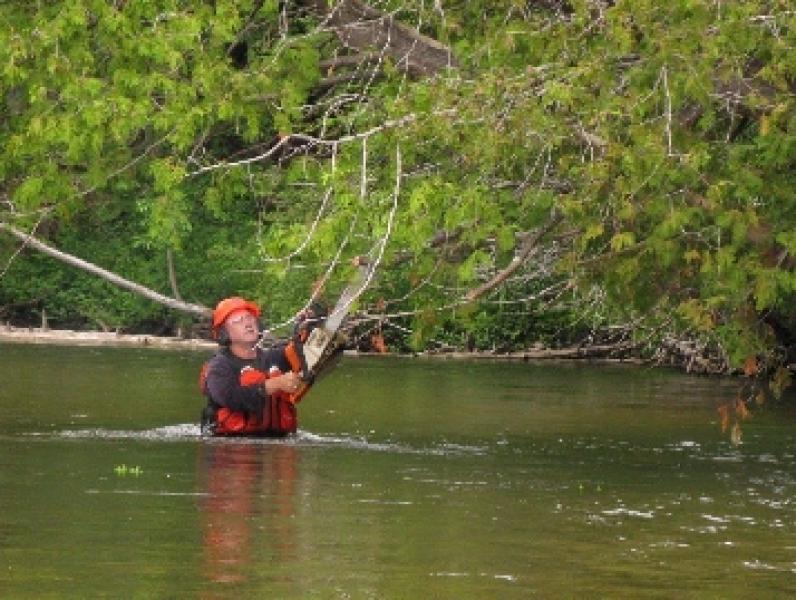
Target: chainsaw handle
(294, 353)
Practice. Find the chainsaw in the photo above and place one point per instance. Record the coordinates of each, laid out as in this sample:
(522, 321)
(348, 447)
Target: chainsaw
(317, 341)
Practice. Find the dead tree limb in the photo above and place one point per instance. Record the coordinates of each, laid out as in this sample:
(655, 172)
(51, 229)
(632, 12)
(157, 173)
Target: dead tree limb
(348, 60)
(29, 240)
(527, 248)
(172, 274)
(361, 28)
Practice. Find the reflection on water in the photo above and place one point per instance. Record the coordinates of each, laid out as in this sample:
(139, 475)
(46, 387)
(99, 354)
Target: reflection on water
(247, 497)
(406, 479)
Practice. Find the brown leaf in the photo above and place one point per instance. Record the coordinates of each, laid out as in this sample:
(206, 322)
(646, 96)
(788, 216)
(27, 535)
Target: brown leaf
(735, 435)
(377, 343)
(741, 410)
(750, 366)
(724, 414)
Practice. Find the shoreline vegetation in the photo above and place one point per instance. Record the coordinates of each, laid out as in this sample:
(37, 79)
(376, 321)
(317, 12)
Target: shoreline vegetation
(645, 217)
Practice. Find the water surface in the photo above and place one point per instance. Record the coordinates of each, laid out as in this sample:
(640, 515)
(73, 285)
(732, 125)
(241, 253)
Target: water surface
(408, 479)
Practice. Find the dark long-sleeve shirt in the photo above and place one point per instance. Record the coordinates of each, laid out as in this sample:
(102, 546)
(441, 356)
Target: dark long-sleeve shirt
(223, 378)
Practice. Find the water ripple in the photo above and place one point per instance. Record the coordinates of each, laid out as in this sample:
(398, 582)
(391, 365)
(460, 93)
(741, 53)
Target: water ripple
(169, 433)
(192, 432)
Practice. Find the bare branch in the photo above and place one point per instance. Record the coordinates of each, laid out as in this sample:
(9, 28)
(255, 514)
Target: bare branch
(529, 246)
(19, 250)
(226, 165)
(172, 274)
(127, 165)
(318, 141)
(71, 260)
(348, 60)
(307, 238)
(387, 234)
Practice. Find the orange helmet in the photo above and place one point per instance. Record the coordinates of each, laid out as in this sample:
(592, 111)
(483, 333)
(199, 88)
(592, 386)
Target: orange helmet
(229, 305)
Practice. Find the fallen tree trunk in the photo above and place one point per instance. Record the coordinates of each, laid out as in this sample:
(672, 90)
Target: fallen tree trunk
(68, 337)
(619, 352)
(362, 28)
(29, 240)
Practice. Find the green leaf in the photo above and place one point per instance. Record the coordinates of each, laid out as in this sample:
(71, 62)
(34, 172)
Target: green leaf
(622, 240)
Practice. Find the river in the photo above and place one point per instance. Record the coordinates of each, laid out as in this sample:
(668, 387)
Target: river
(409, 478)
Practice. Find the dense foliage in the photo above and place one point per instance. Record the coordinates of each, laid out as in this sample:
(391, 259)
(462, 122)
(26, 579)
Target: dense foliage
(617, 170)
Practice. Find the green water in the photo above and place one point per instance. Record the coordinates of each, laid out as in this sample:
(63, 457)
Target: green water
(408, 479)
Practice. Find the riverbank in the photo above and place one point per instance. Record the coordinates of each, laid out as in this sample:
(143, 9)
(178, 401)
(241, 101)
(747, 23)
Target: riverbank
(68, 337)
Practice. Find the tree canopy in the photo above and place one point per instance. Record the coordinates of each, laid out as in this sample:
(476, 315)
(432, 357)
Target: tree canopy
(521, 171)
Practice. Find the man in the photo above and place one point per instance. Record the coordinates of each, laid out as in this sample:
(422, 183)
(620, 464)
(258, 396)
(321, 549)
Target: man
(249, 391)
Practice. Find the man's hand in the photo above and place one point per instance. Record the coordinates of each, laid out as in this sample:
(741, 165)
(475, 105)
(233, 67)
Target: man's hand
(289, 383)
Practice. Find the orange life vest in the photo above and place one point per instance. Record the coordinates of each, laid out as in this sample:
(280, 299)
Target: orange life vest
(279, 413)
(278, 416)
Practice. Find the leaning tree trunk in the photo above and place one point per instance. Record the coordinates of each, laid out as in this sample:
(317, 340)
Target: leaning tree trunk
(29, 240)
(361, 28)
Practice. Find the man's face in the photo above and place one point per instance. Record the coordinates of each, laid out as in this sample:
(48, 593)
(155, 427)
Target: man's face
(242, 327)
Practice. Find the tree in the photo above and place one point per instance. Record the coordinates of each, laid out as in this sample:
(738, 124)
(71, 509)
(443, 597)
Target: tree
(626, 165)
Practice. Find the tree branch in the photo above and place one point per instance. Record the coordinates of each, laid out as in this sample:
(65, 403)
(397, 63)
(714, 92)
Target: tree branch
(529, 246)
(348, 60)
(172, 274)
(361, 27)
(29, 240)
